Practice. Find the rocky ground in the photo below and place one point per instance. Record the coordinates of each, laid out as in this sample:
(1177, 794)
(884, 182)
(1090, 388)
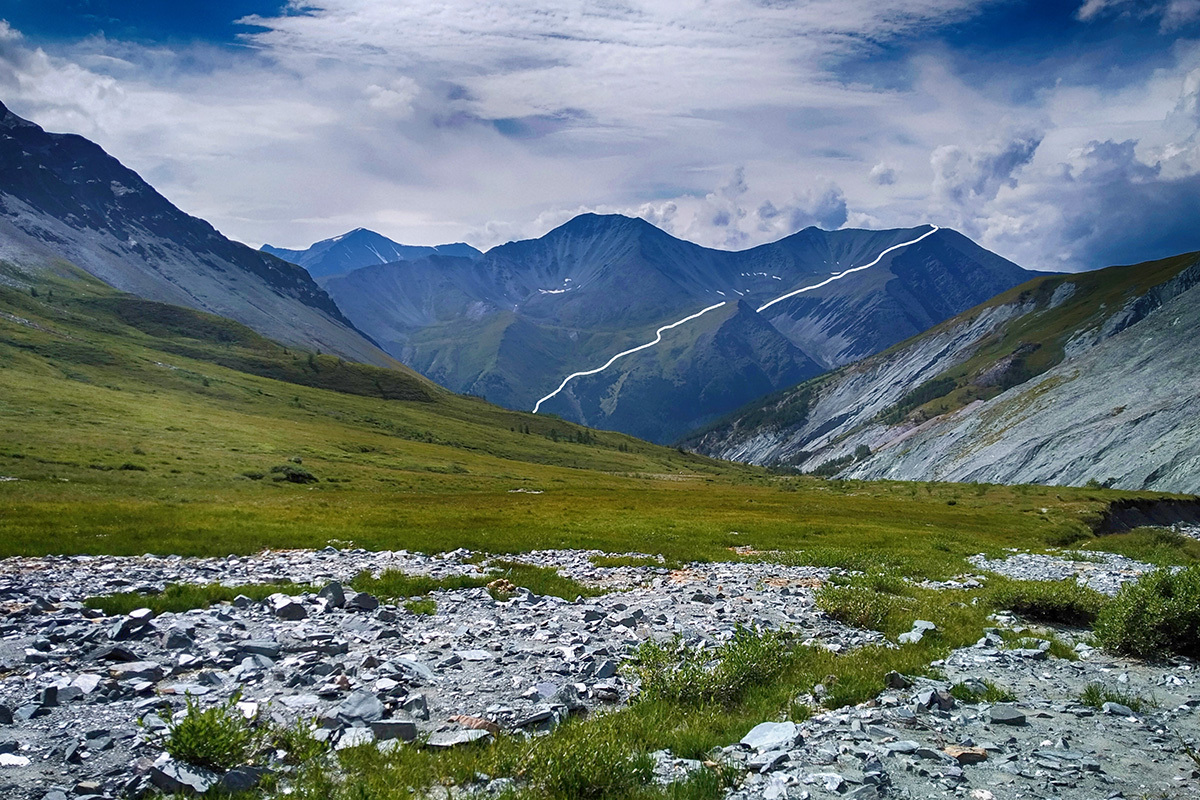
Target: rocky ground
(83, 697)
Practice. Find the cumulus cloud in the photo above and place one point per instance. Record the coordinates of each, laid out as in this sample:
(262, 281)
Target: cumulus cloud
(883, 174)
(971, 175)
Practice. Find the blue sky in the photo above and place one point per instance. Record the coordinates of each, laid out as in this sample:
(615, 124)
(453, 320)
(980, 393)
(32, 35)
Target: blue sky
(1061, 134)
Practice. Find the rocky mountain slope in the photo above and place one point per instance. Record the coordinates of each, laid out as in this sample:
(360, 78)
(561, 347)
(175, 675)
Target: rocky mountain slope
(513, 323)
(65, 202)
(361, 248)
(1064, 380)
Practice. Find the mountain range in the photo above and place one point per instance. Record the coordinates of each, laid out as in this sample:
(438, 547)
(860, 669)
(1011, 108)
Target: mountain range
(360, 248)
(512, 323)
(66, 204)
(1088, 378)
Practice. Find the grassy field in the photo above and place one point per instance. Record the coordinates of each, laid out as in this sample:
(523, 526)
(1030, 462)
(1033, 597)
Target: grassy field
(123, 444)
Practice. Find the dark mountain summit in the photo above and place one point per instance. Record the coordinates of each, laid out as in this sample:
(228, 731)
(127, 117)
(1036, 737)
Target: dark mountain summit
(362, 248)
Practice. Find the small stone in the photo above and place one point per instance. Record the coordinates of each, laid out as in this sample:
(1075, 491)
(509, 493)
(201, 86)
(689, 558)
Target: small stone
(894, 680)
(174, 776)
(333, 595)
(396, 728)
(967, 755)
(354, 737)
(772, 736)
(362, 601)
(137, 670)
(360, 708)
(286, 608)
(1005, 715)
(1117, 710)
(242, 779)
(448, 739)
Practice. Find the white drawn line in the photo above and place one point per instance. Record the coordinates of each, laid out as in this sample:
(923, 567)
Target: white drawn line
(658, 333)
(843, 274)
(657, 339)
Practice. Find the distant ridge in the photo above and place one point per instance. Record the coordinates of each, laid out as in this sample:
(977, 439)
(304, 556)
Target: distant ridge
(362, 248)
(512, 323)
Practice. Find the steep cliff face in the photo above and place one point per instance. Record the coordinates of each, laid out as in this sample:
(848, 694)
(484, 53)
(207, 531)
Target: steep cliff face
(63, 200)
(1064, 380)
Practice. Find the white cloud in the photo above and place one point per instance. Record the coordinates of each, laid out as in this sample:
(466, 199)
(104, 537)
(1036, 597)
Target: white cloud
(1172, 14)
(474, 120)
(883, 174)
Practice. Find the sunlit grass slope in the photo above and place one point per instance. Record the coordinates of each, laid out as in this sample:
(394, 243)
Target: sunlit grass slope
(139, 427)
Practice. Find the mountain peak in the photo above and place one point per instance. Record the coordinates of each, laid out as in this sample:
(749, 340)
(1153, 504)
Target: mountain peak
(10, 120)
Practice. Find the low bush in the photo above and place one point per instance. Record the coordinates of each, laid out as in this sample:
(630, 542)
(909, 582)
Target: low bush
(1060, 602)
(857, 605)
(543, 580)
(393, 584)
(687, 676)
(286, 472)
(217, 738)
(1157, 616)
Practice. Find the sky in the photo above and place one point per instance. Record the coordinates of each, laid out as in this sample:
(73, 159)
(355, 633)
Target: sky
(1062, 134)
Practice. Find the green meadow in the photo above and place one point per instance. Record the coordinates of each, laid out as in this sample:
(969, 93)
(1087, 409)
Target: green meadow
(139, 427)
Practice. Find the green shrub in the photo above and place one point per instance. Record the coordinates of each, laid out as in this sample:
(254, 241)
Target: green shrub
(217, 738)
(1061, 602)
(286, 472)
(858, 605)
(686, 676)
(130, 467)
(297, 741)
(1155, 617)
(393, 584)
(544, 580)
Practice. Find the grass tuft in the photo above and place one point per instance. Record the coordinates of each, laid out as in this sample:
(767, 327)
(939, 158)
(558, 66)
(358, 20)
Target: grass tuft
(425, 607)
(1096, 695)
(991, 693)
(180, 597)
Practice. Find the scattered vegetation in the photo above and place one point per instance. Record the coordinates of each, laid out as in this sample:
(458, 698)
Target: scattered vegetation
(394, 584)
(929, 390)
(543, 580)
(180, 597)
(1058, 602)
(1156, 617)
(1097, 694)
(1162, 547)
(991, 693)
(632, 561)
